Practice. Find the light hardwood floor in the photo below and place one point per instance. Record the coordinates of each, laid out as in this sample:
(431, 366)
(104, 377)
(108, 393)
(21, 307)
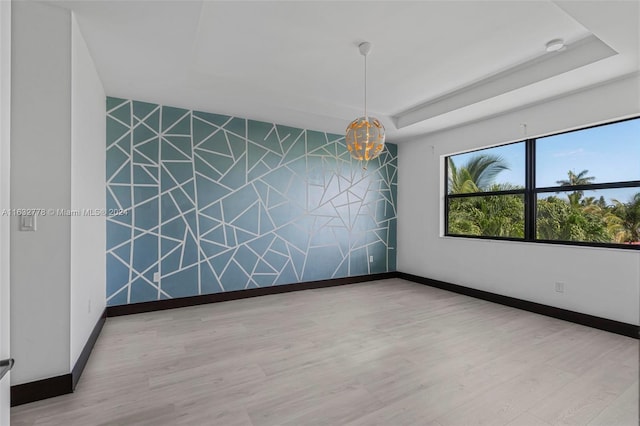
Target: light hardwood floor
(387, 353)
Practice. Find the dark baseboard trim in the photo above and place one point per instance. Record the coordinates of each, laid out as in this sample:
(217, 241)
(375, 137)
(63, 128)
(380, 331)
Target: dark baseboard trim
(78, 368)
(605, 324)
(181, 302)
(41, 389)
(60, 385)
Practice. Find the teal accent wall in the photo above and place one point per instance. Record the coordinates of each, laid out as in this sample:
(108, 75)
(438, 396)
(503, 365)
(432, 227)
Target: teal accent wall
(211, 203)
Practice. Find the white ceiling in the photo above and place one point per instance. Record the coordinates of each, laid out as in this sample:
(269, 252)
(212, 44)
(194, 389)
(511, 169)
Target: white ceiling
(297, 63)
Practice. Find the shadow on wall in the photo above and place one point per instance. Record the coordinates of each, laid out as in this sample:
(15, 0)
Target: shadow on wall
(203, 203)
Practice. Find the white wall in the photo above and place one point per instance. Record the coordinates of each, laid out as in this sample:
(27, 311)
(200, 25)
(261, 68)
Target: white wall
(40, 178)
(5, 118)
(58, 162)
(88, 159)
(598, 281)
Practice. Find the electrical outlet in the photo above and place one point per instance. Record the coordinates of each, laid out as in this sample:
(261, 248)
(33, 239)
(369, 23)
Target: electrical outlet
(370, 259)
(559, 287)
(156, 277)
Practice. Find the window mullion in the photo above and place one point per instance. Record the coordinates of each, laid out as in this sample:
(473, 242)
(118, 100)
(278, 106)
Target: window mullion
(530, 193)
(446, 196)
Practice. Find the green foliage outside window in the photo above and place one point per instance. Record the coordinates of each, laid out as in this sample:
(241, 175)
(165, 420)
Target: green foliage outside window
(490, 216)
(570, 218)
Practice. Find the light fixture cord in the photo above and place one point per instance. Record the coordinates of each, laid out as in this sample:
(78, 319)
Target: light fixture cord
(365, 88)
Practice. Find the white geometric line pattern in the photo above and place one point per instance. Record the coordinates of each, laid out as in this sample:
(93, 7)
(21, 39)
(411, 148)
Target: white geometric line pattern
(218, 203)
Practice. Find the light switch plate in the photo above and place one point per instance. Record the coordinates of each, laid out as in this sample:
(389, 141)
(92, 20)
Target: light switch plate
(28, 223)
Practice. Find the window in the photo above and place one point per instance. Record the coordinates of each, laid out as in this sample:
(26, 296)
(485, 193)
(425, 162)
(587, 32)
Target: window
(486, 192)
(580, 187)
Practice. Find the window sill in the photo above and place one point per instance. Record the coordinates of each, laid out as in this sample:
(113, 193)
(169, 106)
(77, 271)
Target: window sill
(542, 243)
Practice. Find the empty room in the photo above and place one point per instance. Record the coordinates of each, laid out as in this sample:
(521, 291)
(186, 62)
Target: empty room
(319, 213)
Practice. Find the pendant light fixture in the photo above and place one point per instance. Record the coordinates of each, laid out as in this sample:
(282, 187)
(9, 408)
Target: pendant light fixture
(365, 135)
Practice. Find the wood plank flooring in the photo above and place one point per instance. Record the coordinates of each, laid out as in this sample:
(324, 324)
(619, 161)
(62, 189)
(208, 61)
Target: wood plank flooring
(386, 353)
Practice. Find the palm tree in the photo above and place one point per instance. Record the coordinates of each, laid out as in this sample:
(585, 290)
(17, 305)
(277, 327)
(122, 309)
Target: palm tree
(593, 205)
(476, 175)
(576, 179)
(629, 220)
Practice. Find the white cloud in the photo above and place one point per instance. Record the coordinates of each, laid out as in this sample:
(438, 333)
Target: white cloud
(573, 153)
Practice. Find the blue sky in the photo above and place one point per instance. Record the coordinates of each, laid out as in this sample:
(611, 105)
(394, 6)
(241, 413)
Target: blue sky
(611, 153)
